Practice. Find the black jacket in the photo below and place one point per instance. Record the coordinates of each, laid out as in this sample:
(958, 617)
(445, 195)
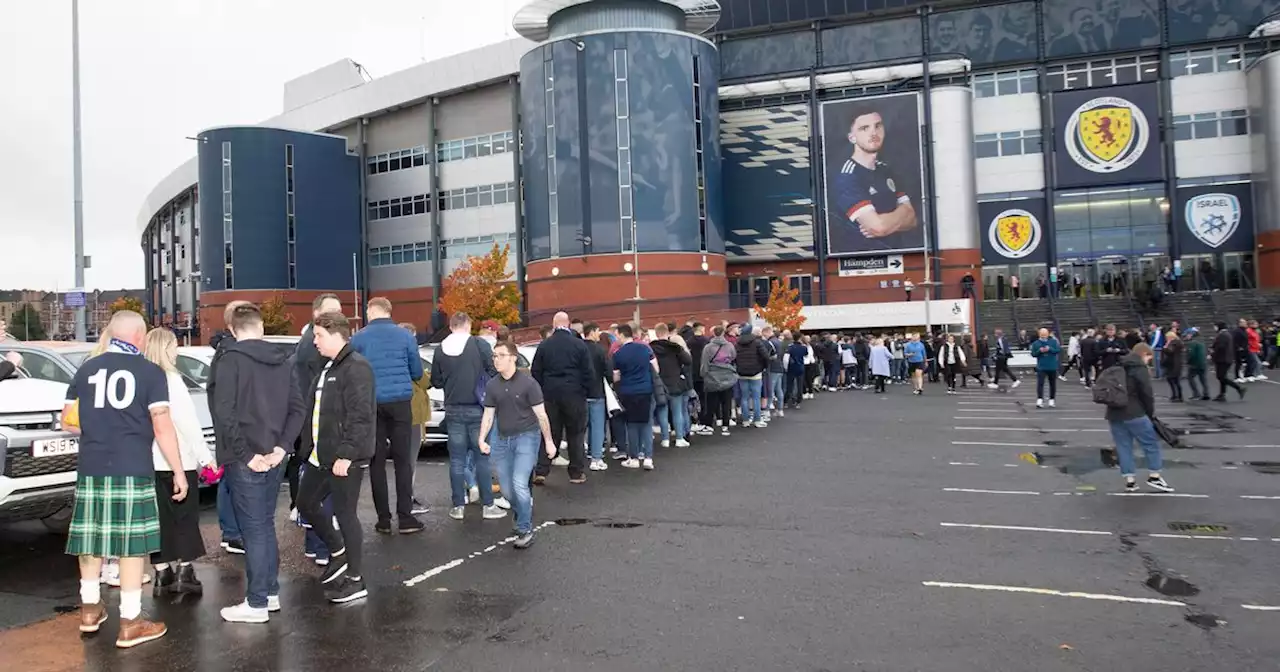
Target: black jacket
(599, 366)
(1116, 347)
(348, 411)
(753, 356)
(307, 361)
(1088, 350)
(674, 364)
(562, 366)
(1223, 349)
(256, 402)
(1240, 339)
(7, 369)
(1142, 400)
(696, 345)
(1175, 355)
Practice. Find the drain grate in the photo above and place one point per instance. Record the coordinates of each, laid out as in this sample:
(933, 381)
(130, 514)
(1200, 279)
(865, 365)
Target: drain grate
(1201, 528)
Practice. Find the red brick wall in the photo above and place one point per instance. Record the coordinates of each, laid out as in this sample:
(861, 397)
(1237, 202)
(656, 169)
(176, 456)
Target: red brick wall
(597, 288)
(866, 289)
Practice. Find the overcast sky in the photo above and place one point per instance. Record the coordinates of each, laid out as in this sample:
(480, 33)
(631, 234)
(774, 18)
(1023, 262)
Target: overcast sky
(156, 71)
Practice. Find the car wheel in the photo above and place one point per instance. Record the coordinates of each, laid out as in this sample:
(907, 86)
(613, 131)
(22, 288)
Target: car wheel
(59, 522)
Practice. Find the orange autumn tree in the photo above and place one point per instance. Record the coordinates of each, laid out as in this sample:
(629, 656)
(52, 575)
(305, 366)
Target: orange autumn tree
(483, 288)
(127, 303)
(783, 309)
(276, 320)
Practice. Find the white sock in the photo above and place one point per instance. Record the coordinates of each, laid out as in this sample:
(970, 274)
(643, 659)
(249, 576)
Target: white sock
(130, 604)
(90, 591)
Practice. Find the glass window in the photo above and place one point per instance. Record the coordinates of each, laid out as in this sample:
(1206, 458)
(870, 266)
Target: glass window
(984, 86)
(1235, 122)
(1006, 83)
(499, 196)
(484, 147)
(486, 195)
(1011, 143)
(1228, 58)
(1056, 78)
(1204, 125)
(472, 197)
(1178, 63)
(986, 146)
(469, 148)
(1200, 62)
(457, 199)
(1126, 71)
(1030, 83)
(1181, 127)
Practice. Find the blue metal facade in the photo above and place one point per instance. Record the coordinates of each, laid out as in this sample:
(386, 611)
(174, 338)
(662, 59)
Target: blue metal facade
(326, 209)
(579, 98)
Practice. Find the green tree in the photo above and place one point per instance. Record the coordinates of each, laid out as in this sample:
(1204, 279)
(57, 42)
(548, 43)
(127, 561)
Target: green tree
(25, 324)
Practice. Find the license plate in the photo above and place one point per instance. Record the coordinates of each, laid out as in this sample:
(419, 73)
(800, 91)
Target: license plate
(54, 447)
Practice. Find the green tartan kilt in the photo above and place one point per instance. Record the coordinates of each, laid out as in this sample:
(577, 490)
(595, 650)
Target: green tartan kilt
(115, 516)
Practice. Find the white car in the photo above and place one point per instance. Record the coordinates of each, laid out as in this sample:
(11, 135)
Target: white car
(37, 459)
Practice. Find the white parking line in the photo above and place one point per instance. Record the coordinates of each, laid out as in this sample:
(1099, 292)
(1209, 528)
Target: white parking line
(994, 443)
(1258, 497)
(1029, 429)
(1026, 418)
(1156, 494)
(963, 464)
(440, 569)
(1020, 528)
(991, 492)
(1260, 607)
(1051, 592)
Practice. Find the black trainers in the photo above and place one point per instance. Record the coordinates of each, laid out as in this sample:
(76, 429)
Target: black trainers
(382, 527)
(234, 546)
(419, 508)
(337, 567)
(1158, 483)
(410, 525)
(525, 540)
(1130, 486)
(346, 589)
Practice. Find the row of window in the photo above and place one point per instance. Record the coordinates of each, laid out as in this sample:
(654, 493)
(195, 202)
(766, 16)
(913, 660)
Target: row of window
(452, 248)
(228, 272)
(549, 101)
(291, 221)
(450, 150)
(1224, 124)
(622, 123)
(1008, 143)
(1107, 71)
(453, 199)
(744, 292)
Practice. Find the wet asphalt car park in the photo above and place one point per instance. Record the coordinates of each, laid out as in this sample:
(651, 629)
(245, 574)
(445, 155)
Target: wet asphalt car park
(966, 532)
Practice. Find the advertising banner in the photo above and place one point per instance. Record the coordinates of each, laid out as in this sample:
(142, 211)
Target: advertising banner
(1107, 136)
(1213, 219)
(1013, 232)
(873, 175)
(884, 264)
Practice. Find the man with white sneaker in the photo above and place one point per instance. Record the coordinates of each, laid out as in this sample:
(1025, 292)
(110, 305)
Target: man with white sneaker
(1045, 349)
(674, 362)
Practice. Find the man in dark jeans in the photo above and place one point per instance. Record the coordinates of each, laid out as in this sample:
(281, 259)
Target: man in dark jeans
(260, 409)
(393, 353)
(462, 366)
(562, 367)
(232, 540)
(337, 448)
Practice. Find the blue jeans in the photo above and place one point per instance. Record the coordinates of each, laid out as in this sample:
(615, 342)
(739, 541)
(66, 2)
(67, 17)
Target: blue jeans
(469, 471)
(1159, 369)
(777, 389)
(516, 456)
(639, 440)
(662, 418)
(226, 512)
(595, 427)
(1125, 432)
(464, 440)
(254, 495)
(678, 404)
(749, 410)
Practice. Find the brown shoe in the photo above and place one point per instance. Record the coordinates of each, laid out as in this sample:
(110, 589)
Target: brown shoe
(578, 480)
(137, 631)
(92, 616)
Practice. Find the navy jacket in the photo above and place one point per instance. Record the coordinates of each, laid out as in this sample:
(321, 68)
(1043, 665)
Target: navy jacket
(393, 353)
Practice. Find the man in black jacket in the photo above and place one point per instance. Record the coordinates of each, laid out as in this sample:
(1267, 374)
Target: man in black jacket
(232, 540)
(674, 364)
(597, 410)
(307, 363)
(1224, 354)
(696, 345)
(259, 407)
(1109, 348)
(562, 367)
(338, 447)
(1088, 356)
(752, 359)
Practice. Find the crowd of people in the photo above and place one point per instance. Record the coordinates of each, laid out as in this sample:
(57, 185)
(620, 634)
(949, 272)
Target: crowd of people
(339, 404)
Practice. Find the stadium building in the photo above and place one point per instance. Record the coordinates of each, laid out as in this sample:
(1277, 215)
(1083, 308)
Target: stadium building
(672, 157)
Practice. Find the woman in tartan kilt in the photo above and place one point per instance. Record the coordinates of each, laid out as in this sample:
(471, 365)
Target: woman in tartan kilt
(122, 404)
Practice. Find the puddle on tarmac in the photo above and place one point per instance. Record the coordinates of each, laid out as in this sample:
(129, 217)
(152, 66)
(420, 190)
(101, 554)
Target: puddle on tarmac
(1204, 621)
(619, 526)
(567, 522)
(1262, 467)
(1171, 586)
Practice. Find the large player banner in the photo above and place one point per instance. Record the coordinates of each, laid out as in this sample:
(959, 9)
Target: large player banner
(1109, 135)
(873, 175)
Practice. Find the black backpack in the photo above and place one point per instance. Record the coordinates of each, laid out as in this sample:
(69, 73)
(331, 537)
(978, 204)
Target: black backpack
(1111, 389)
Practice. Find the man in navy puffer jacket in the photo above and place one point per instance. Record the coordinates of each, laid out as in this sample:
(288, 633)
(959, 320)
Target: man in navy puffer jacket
(393, 353)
